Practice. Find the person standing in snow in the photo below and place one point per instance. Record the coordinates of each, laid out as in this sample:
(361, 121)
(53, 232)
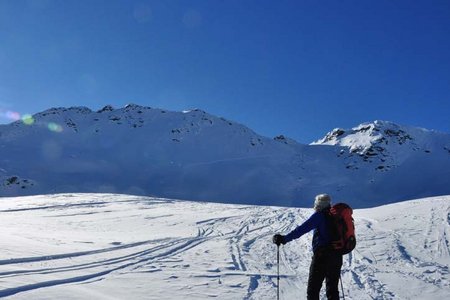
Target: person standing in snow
(326, 263)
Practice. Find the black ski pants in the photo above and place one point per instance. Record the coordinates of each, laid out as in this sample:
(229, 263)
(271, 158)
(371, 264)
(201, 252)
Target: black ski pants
(326, 264)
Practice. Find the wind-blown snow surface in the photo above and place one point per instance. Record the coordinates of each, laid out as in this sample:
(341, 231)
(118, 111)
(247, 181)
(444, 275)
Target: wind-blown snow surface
(105, 246)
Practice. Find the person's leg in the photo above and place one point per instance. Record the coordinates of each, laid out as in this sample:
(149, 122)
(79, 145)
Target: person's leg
(317, 272)
(333, 273)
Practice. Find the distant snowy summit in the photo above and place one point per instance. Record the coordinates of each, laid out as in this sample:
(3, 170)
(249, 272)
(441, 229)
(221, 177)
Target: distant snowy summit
(367, 136)
(386, 143)
(198, 156)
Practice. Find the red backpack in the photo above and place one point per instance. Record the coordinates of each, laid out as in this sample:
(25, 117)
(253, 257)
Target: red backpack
(342, 228)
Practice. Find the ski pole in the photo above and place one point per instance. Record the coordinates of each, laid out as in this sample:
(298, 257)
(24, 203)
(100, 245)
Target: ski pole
(342, 287)
(278, 272)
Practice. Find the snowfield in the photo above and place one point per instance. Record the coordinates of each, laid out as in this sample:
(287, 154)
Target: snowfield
(110, 246)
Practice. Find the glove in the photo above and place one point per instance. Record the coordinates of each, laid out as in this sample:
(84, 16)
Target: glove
(278, 239)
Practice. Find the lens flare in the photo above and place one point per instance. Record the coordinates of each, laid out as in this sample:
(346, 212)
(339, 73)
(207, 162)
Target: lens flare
(54, 127)
(12, 115)
(28, 119)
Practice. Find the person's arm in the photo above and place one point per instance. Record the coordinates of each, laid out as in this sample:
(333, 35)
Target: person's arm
(307, 226)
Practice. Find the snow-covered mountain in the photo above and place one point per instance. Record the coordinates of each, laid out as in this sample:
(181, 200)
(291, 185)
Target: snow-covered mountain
(105, 246)
(197, 156)
(386, 143)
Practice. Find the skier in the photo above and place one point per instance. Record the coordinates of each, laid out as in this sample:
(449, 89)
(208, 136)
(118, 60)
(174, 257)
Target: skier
(326, 263)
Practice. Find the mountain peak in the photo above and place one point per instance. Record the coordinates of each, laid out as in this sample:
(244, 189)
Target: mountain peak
(359, 138)
(384, 143)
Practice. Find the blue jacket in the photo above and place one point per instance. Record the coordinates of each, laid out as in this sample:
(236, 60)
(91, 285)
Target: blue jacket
(318, 222)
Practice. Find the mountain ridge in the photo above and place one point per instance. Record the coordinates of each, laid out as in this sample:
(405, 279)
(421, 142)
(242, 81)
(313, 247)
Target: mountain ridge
(194, 155)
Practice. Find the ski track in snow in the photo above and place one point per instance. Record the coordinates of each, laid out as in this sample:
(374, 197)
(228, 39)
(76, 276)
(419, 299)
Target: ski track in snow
(104, 246)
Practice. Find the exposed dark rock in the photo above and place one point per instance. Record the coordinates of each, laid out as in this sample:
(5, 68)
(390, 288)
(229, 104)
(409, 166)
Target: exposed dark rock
(132, 106)
(334, 134)
(12, 180)
(106, 108)
(79, 109)
(365, 128)
(281, 138)
(114, 118)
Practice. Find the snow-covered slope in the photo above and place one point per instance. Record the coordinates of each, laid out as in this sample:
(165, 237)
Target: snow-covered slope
(387, 144)
(105, 246)
(140, 150)
(196, 156)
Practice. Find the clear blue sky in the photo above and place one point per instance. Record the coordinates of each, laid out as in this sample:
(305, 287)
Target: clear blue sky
(299, 68)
